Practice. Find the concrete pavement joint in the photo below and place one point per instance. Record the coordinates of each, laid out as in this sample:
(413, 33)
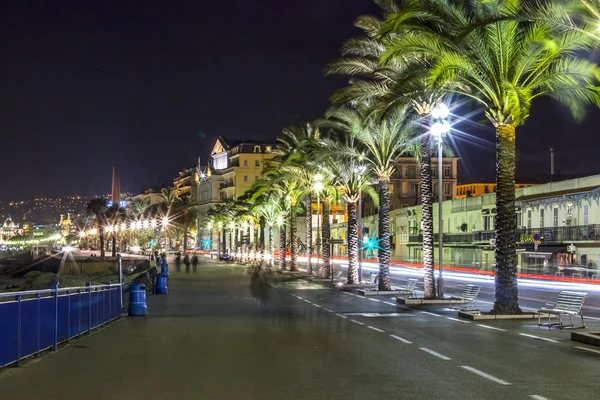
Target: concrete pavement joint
(538, 337)
(491, 327)
(401, 339)
(434, 353)
(376, 329)
(485, 375)
(356, 322)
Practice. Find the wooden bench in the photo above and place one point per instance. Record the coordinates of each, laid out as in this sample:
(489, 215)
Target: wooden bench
(468, 296)
(568, 303)
(409, 288)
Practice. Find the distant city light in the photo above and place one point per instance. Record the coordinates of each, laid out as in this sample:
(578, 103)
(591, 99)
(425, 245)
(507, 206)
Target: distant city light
(68, 249)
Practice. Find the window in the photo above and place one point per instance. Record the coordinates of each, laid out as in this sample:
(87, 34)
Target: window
(541, 218)
(256, 163)
(487, 226)
(569, 210)
(404, 189)
(268, 149)
(585, 214)
(391, 188)
(446, 171)
(412, 171)
(447, 187)
(245, 178)
(555, 216)
(528, 219)
(256, 178)
(245, 163)
(257, 149)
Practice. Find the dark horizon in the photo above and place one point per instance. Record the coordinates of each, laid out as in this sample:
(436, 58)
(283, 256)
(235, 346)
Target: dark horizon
(149, 87)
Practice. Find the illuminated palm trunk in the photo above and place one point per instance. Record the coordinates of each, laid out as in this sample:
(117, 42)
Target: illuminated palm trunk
(230, 241)
(352, 244)
(427, 216)
(271, 247)
(325, 269)
(101, 234)
(185, 231)
(308, 234)
(293, 240)
(383, 252)
(507, 292)
(261, 234)
(114, 245)
(282, 247)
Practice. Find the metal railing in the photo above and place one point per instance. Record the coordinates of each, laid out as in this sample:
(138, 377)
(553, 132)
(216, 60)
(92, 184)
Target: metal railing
(38, 320)
(561, 234)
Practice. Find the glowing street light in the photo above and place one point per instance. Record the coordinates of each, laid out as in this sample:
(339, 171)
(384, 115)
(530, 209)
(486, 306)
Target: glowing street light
(82, 234)
(153, 223)
(123, 226)
(165, 221)
(145, 224)
(438, 130)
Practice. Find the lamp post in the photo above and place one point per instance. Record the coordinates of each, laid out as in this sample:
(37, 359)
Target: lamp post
(318, 186)
(360, 170)
(440, 128)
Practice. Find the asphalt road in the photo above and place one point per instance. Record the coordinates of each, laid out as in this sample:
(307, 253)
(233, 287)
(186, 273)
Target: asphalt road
(210, 338)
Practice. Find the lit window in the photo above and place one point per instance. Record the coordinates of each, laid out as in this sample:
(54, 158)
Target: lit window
(446, 171)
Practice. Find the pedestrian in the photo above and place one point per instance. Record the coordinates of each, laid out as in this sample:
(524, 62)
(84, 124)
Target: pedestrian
(178, 262)
(194, 262)
(153, 273)
(186, 261)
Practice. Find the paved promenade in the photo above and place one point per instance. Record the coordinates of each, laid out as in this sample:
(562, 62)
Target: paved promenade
(211, 339)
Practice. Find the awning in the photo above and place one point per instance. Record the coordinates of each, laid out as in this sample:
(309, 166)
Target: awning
(546, 251)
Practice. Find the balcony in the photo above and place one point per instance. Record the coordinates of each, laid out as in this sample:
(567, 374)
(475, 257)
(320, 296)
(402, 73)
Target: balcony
(225, 185)
(562, 234)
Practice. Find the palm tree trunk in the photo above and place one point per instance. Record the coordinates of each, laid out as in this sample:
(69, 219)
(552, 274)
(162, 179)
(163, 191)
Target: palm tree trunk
(308, 234)
(352, 244)
(230, 241)
(507, 292)
(282, 247)
(325, 247)
(114, 245)
(218, 244)
(383, 252)
(293, 239)
(185, 230)
(262, 240)
(427, 217)
(101, 234)
(271, 247)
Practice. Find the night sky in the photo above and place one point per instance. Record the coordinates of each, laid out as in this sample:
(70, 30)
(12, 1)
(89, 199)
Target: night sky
(149, 86)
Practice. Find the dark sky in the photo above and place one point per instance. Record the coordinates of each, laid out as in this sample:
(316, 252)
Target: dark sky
(149, 86)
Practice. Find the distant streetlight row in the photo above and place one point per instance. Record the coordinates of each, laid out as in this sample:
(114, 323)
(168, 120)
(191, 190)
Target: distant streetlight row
(134, 225)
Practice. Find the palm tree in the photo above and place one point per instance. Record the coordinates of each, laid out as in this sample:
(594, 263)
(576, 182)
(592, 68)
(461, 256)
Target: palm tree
(186, 208)
(486, 52)
(97, 208)
(114, 215)
(352, 178)
(384, 139)
(268, 206)
(168, 197)
(139, 206)
(296, 151)
(399, 81)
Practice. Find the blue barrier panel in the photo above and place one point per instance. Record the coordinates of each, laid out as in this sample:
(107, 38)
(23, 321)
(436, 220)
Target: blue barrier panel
(34, 321)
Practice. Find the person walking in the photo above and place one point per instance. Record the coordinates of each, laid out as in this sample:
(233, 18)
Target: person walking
(194, 262)
(186, 261)
(178, 262)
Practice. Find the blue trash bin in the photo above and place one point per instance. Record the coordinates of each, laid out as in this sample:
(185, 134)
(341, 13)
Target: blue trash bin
(137, 300)
(164, 268)
(161, 284)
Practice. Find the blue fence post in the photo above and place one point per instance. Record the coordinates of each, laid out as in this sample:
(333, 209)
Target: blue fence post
(120, 268)
(38, 297)
(54, 286)
(18, 298)
(79, 307)
(109, 303)
(68, 315)
(89, 286)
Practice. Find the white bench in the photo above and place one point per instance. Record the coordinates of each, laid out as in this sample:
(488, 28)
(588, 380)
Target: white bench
(568, 303)
(468, 296)
(409, 288)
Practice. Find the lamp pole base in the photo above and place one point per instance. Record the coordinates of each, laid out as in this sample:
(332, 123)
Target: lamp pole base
(440, 287)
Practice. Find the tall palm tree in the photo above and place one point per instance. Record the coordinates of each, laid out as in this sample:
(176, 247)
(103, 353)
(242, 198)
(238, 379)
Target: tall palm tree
(352, 178)
(186, 208)
(114, 216)
(268, 206)
(168, 197)
(384, 139)
(296, 150)
(486, 52)
(399, 81)
(97, 208)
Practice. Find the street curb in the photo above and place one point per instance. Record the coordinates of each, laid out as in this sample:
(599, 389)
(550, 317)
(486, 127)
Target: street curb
(377, 292)
(591, 338)
(477, 316)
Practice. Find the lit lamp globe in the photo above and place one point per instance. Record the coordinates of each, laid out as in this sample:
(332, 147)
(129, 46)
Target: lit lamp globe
(318, 186)
(440, 128)
(440, 111)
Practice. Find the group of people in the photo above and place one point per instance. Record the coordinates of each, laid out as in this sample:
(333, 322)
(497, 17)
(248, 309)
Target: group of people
(193, 261)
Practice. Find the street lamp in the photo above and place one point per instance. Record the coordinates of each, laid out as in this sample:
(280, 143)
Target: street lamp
(360, 170)
(438, 130)
(318, 186)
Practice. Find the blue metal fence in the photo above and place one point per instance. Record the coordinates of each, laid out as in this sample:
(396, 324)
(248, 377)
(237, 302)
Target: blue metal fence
(34, 321)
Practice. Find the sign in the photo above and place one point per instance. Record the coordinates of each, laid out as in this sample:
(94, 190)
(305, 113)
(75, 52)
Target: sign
(547, 236)
(336, 241)
(571, 248)
(492, 242)
(536, 237)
